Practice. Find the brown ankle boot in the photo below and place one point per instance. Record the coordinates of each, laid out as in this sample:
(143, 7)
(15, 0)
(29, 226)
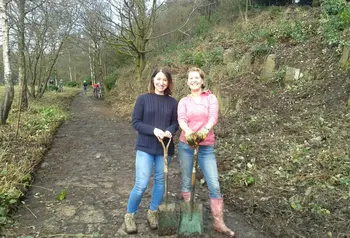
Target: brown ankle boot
(152, 218)
(130, 224)
(186, 196)
(217, 210)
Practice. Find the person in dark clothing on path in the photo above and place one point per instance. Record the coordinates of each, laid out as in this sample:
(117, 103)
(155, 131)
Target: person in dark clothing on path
(85, 86)
(154, 117)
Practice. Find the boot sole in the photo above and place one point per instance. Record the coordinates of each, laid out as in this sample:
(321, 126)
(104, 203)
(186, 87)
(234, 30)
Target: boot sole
(131, 232)
(152, 227)
(227, 234)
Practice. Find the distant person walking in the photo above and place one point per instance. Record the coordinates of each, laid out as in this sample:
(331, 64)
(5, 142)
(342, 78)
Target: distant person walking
(60, 86)
(85, 87)
(96, 88)
(154, 118)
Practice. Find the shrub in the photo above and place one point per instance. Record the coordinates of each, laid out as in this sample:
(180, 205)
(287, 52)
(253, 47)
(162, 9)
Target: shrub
(260, 49)
(52, 88)
(255, 35)
(298, 32)
(168, 62)
(88, 80)
(333, 7)
(294, 30)
(330, 31)
(199, 59)
(7, 202)
(344, 16)
(110, 81)
(203, 27)
(72, 84)
(334, 22)
(280, 75)
(186, 58)
(216, 56)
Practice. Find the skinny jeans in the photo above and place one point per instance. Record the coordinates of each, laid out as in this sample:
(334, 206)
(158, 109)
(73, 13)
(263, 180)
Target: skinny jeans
(206, 162)
(144, 165)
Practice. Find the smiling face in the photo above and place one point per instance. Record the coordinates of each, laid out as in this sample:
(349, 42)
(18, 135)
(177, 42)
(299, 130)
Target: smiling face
(194, 81)
(160, 82)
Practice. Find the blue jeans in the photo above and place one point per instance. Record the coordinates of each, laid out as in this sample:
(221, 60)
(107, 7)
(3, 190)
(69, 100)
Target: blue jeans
(207, 163)
(144, 165)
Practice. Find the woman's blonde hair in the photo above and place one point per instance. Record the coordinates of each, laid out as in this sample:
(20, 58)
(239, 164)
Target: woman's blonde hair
(201, 73)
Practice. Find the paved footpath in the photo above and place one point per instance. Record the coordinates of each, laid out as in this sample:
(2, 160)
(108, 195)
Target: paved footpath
(92, 159)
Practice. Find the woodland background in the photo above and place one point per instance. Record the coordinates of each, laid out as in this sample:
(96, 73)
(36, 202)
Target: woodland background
(281, 72)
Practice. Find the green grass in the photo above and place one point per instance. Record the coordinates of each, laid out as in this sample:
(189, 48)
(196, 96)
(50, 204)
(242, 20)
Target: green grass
(19, 156)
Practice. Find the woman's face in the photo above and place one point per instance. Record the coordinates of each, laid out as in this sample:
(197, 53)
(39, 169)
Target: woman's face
(194, 81)
(160, 82)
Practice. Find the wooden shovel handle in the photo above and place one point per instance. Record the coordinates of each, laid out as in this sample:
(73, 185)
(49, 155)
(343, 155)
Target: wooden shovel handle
(165, 148)
(195, 161)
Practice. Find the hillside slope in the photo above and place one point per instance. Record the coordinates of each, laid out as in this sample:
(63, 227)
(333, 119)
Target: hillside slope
(284, 131)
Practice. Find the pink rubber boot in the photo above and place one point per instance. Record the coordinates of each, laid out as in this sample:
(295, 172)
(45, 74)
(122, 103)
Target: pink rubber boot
(217, 210)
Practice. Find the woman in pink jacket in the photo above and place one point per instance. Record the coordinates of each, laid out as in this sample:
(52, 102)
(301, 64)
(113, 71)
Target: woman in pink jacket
(198, 112)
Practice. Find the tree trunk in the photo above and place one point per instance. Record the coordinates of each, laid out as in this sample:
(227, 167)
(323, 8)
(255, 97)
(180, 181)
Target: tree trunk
(70, 67)
(43, 86)
(75, 73)
(92, 61)
(100, 67)
(9, 90)
(35, 74)
(140, 65)
(246, 10)
(22, 61)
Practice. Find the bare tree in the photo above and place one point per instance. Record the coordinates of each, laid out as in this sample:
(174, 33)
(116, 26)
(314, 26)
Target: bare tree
(91, 25)
(94, 24)
(208, 8)
(22, 61)
(129, 28)
(19, 10)
(74, 56)
(5, 107)
(70, 66)
(92, 60)
(49, 28)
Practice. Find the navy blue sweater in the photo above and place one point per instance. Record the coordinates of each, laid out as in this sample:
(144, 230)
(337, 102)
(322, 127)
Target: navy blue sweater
(154, 111)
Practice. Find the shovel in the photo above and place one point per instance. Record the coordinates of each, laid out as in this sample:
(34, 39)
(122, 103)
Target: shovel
(191, 214)
(167, 219)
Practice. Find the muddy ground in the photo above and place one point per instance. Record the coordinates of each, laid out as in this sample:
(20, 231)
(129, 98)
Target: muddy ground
(92, 158)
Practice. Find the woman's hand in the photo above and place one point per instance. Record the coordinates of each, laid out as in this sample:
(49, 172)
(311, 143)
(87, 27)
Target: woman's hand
(188, 132)
(190, 138)
(202, 134)
(159, 133)
(168, 134)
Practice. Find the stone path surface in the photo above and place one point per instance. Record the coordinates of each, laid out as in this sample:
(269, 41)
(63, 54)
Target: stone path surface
(92, 158)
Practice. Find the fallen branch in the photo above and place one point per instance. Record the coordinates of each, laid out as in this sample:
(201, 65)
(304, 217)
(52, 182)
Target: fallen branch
(29, 209)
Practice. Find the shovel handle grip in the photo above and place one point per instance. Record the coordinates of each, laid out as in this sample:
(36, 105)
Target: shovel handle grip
(165, 148)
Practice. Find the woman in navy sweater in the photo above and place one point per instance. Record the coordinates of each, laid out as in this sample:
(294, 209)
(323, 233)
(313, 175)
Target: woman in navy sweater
(154, 117)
